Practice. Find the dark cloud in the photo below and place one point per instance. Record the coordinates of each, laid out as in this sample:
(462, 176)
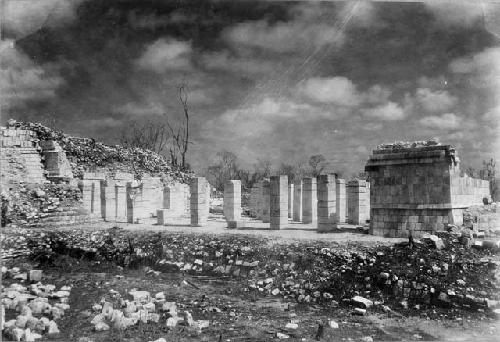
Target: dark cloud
(274, 80)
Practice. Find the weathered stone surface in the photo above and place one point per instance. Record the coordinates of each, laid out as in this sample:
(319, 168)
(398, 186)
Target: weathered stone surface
(278, 202)
(232, 200)
(309, 200)
(419, 189)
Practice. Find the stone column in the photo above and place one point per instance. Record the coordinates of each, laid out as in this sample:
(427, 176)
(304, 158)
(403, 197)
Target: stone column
(131, 211)
(86, 187)
(278, 202)
(95, 178)
(266, 197)
(309, 200)
(161, 215)
(108, 200)
(297, 201)
(327, 216)
(198, 202)
(152, 195)
(290, 200)
(121, 201)
(232, 200)
(356, 201)
(341, 201)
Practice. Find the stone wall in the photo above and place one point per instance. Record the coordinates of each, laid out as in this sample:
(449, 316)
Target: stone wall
(20, 157)
(417, 190)
(255, 201)
(358, 202)
(55, 161)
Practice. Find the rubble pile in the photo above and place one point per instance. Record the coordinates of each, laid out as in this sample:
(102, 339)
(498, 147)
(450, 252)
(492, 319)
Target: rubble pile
(121, 313)
(26, 203)
(36, 307)
(408, 144)
(88, 154)
(484, 218)
(449, 270)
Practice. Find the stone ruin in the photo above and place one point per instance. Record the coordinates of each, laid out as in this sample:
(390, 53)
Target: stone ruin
(419, 189)
(324, 201)
(412, 190)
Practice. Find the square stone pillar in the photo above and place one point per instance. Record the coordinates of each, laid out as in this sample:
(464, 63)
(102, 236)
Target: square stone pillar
(121, 201)
(161, 215)
(290, 200)
(341, 200)
(86, 187)
(356, 202)
(96, 197)
(309, 200)
(108, 200)
(297, 201)
(327, 216)
(232, 200)
(131, 211)
(198, 201)
(278, 202)
(266, 197)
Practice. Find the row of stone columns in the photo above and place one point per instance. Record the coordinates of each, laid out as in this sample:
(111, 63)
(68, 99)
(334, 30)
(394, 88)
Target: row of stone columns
(321, 201)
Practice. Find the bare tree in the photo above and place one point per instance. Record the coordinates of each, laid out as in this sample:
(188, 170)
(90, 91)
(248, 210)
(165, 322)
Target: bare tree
(151, 135)
(489, 173)
(288, 170)
(183, 97)
(180, 135)
(224, 169)
(318, 163)
(263, 167)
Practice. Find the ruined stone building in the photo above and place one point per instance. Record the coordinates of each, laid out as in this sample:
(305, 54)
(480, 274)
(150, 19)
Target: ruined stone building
(419, 189)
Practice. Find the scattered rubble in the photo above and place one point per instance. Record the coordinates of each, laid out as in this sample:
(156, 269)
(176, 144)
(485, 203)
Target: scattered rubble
(86, 153)
(418, 276)
(37, 312)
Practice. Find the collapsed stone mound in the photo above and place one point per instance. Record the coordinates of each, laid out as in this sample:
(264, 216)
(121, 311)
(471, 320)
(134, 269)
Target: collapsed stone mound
(87, 154)
(42, 172)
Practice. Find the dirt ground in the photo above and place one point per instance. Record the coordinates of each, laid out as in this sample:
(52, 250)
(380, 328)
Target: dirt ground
(216, 224)
(234, 313)
(242, 317)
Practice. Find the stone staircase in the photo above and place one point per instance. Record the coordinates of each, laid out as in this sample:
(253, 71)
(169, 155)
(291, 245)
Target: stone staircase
(66, 216)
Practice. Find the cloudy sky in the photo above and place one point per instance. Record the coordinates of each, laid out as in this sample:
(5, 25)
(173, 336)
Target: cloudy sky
(267, 79)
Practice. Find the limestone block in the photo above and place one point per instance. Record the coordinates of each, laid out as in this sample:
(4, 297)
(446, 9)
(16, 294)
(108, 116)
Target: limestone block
(326, 210)
(278, 209)
(341, 200)
(232, 200)
(309, 200)
(297, 201)
(290, 200)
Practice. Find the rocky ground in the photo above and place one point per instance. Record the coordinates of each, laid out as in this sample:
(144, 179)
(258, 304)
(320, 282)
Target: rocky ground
(117, 285)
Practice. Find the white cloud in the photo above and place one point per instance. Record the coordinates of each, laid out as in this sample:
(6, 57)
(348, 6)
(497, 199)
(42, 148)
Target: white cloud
(140, 109)
(445, 121)
(104, 122)
(21, 79)
(334, 90)
(243, 65)
(376, 95)
(390, 111)
(166, 54)
(23, 17)
(482, 69)
(463, 13)
(493, 115)
(283, 36)
(435, 101)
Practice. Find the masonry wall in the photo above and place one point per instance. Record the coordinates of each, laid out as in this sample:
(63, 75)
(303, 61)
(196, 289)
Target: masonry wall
(417, 190)
(20, 159)
(255, 201)
(466, 191)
